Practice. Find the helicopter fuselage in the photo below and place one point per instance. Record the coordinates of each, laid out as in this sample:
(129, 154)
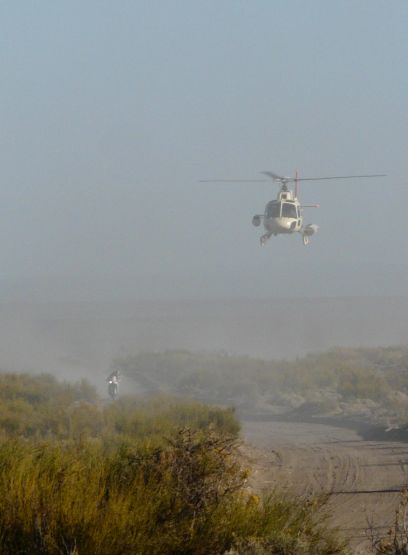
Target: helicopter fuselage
(279, 225)
(283, 215)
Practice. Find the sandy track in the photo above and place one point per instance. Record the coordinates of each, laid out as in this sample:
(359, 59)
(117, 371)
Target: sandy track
(307, 458)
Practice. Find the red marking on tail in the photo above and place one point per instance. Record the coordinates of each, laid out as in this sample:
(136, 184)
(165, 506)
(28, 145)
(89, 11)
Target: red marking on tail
(296, 184)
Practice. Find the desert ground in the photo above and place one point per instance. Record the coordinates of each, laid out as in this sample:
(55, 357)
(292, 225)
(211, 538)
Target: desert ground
(362, 475)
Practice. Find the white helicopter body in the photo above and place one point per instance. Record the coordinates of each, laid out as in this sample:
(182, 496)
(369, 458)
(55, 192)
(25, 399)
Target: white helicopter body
(284, 214)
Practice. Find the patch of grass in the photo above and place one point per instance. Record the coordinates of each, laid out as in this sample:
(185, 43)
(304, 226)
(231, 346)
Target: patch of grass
(395, 541)
(158, 476)
(42, 407)
(186, 496)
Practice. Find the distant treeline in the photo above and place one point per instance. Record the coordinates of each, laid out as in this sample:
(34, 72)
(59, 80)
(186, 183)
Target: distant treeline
(79, 476)
(333, 380)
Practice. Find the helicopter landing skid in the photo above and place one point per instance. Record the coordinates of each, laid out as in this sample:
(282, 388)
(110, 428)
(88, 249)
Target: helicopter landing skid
(264, 238)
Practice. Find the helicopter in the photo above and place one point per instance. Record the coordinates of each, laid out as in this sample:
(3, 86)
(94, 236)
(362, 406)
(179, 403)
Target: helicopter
(284, 214)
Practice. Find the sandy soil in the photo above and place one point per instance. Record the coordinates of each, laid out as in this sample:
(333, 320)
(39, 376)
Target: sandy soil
(306, 458)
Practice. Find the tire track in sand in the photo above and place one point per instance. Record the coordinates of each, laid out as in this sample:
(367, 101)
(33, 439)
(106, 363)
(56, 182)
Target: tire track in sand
(362, 478)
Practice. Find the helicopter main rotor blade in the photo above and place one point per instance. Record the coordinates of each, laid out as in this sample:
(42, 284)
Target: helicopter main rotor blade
(283, 179)
(341, 177)
(232, 180)
(277, 177)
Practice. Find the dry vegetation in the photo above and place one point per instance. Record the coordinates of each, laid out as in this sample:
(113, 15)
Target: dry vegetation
(396, 540)
(78, 476)
(368, 383)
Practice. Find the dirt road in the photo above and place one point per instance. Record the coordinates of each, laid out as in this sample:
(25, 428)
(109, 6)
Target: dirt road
(363, 477)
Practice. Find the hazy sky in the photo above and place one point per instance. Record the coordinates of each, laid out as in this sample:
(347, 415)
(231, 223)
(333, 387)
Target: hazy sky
(112, 111)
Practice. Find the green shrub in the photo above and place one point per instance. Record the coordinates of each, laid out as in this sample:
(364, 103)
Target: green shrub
(187, 496)
(357, 383)
(159, 415)
(79, 476)
(41, 407)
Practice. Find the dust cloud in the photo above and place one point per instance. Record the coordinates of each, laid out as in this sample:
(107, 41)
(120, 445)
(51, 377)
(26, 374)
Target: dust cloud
(75, 340)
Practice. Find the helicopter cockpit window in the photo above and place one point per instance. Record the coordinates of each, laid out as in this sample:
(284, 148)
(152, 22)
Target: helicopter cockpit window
(273, 210)
(289, 210)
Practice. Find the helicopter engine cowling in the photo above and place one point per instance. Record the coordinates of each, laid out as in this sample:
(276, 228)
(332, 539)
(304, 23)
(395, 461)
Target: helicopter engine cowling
(256, 221)
(310, 229)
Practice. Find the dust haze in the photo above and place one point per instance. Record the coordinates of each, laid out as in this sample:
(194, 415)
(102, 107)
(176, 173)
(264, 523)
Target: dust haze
(110, 118)
(74, 340)
(112, 114)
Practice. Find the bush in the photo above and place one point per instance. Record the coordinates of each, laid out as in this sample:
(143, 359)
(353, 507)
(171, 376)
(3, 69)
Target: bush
(186, 496)
(157, 476)
(161, 415)
(357, 383)
(341, 375)
(396, 540)
(41, 407)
